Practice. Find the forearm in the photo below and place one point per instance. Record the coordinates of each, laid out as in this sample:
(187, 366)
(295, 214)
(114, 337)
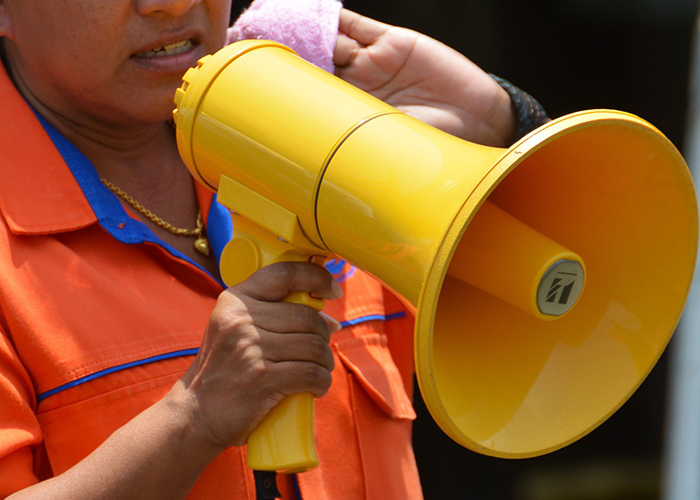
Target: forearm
(256, 350)
(156, 455)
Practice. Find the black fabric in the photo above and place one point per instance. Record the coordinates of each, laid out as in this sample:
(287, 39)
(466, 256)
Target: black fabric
(528, 111)
(266, 485)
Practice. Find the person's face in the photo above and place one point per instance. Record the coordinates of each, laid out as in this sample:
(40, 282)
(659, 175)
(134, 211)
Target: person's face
(117, 61)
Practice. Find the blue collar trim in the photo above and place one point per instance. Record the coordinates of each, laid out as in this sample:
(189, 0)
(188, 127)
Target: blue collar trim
(219, 227)
(112, 215)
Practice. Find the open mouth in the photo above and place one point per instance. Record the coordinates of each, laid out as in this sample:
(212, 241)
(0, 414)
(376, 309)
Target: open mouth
(167, 50)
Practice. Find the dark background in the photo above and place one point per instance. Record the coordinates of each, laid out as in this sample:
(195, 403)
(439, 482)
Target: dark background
(631, 55)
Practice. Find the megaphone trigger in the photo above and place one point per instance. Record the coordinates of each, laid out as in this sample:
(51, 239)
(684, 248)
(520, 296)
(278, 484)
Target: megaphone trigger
(239, 259)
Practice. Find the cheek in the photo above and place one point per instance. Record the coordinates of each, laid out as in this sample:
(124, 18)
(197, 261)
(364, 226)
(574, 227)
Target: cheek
(69, 41)
(77, 65)
(220, 18)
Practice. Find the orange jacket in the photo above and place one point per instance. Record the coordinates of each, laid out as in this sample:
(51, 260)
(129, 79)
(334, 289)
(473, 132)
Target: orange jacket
(99, 318)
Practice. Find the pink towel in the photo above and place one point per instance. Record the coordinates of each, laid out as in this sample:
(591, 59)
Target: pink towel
(310, 27)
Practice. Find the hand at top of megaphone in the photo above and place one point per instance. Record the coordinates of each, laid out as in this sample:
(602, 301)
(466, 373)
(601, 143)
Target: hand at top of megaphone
(423, 78)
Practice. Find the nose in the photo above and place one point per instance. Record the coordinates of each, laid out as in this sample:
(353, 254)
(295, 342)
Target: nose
(172, 7)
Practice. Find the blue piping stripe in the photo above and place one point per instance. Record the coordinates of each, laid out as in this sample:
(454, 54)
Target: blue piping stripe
(187, 352)
(373, 317)
(114, 369)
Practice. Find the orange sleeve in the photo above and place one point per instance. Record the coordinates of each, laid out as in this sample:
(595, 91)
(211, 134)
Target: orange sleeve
(19, 429)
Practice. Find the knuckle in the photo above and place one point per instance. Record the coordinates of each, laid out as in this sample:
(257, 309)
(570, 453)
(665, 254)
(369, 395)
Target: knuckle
(231, 331)
(229, 312)
(250, 353)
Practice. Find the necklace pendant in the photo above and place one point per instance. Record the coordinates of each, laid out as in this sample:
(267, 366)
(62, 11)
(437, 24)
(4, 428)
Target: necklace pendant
(202, 246)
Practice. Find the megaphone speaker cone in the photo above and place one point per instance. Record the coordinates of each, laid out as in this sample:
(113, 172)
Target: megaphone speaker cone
(506, 383)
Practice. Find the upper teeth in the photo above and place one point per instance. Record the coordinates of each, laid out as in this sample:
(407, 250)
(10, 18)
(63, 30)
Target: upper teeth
(167, 50)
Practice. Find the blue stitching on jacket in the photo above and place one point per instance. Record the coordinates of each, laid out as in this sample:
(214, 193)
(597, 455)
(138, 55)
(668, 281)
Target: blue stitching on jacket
(188, 352)
(114, 369)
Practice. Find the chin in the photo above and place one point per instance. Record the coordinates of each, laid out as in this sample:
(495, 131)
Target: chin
(157, 113)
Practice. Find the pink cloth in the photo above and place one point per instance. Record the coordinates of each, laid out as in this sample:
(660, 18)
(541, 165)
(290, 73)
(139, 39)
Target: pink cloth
(310, 27)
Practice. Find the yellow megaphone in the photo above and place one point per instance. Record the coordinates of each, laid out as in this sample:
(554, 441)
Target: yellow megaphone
(515, 356)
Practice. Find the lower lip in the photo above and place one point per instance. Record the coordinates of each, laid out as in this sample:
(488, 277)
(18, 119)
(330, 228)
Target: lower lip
(177, 63)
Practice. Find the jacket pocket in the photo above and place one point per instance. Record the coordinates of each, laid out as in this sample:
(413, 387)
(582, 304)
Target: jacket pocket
(73, 430)
(369, 359)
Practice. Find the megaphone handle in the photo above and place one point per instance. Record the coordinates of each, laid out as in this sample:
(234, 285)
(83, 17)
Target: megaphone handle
(284, 440)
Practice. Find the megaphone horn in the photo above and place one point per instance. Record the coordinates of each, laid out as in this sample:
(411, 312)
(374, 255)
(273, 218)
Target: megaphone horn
(547, 278)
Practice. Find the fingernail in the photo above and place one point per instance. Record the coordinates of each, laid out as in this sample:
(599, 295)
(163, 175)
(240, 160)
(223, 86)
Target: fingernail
(333, 324)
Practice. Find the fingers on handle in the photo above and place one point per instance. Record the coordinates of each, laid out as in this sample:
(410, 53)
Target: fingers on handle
(275, 282)
(297, 376)
(303, 348)
(289, 318)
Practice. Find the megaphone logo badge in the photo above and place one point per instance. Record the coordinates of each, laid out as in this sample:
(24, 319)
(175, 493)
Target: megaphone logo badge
(560, 288)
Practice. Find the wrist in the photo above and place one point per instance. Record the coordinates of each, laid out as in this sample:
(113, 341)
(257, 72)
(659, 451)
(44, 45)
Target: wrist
(181, 410)
(528, 112)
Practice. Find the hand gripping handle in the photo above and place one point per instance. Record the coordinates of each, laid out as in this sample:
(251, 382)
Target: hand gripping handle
(284, 440)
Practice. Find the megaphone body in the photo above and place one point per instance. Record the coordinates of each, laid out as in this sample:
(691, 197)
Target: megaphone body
(546, 278)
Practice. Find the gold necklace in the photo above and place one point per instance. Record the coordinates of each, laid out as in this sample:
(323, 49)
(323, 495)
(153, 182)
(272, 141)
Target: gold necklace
(201, 243)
